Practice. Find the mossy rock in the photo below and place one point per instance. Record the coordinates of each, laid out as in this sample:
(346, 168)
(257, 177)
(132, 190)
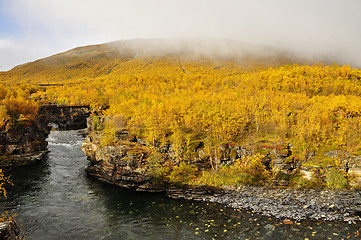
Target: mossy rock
(262, 151)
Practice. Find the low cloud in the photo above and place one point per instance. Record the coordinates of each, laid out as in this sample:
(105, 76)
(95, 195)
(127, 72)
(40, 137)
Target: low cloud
(5, 43)
(322, 28)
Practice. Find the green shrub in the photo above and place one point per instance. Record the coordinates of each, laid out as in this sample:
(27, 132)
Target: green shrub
(98, 123)
(305, 183)
(224, 176)
(289, 159)
(245, 171)
(283, 176)
(336, 179)
(183, 174)
(158, 168)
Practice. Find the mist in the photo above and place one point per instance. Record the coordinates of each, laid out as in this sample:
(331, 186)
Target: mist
(319, 29)
(198, 49)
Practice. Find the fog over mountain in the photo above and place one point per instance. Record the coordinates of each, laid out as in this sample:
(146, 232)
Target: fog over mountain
(321, 29)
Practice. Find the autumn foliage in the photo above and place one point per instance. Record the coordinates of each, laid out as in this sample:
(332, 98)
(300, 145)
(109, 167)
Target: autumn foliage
(312, 107)
(309, 106)
(16, 103)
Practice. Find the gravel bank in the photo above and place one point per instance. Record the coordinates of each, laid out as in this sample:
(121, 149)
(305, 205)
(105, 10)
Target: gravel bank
(281, 203)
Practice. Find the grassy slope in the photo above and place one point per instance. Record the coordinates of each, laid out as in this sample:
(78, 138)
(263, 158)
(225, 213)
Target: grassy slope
(98, 60)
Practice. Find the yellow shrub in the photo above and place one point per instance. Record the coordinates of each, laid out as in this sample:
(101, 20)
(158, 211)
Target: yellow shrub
(255, 168)
(183, 174)
(4, 117)
(3, 181)
(16, 106)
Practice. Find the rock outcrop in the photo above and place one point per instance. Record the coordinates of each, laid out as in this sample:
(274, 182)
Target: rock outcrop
(123, 165)
(66, 117)
(127, 165)
(23, 143)
(353, 167)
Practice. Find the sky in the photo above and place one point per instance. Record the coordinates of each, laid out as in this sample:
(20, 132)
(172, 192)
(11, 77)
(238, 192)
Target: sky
(33, 29)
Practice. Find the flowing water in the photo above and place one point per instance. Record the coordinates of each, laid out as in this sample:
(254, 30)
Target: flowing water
(56, 200)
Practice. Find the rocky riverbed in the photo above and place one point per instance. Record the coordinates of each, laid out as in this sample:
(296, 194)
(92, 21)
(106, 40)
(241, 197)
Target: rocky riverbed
(280, 203)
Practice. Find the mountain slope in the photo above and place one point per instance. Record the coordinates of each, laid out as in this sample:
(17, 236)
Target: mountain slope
(102, 59)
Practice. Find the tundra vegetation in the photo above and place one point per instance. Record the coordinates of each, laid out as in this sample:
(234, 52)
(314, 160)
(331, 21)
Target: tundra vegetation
(314, 109)
(17, 109)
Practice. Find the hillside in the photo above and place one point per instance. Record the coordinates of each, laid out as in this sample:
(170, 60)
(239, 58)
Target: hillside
(224, 112)
(102, 59)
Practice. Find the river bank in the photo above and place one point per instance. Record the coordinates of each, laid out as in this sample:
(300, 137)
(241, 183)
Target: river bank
(23, 143)
(127, 165)
(56, 200)
(110, 164)
(280, 203)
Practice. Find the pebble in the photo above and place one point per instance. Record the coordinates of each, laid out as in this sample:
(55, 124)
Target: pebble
(286, 203)
(270, 227)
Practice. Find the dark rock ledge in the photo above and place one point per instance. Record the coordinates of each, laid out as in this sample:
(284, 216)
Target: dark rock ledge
(23, 143)
(22, 159)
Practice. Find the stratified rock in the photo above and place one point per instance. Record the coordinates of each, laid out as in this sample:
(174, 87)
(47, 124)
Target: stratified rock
(22, 159)
(66, 118)
(123, 165)
(23, 143)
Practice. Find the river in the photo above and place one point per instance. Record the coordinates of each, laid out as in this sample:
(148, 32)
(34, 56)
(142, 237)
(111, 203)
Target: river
(56, 200)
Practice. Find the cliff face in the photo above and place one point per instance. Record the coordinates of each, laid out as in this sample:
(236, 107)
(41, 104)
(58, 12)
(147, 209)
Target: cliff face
(129, 163)
(123, 165)
(23, 143)
(65, 118)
